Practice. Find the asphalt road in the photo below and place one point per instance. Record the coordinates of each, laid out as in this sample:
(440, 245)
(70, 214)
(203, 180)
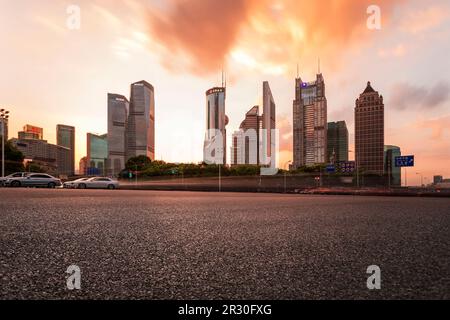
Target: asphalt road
(186, 245)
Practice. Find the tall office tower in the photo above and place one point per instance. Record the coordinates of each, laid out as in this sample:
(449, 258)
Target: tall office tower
(369, 131)
(310, 123)
(246, 141)
(31, 132)
(141, 121)
(394, 173)
(268, 120)
(337, 142)
(97, 153)
(216, 122)
(65, 137)
(118, 107)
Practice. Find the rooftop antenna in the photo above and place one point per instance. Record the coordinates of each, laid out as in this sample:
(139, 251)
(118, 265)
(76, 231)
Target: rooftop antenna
(222, 78)
(318, 65)
(298, 73)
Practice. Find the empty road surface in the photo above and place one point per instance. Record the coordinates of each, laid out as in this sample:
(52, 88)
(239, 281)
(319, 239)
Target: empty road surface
(187, 245)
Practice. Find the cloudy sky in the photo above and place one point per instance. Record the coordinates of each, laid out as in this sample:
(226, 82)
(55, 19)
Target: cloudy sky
(55, 74)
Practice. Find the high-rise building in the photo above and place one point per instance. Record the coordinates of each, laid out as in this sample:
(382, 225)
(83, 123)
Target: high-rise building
(52, 158)
(216, 122)
(141, 121)
(65, 137)
(32, 132)
(394, 173)
(369, 132)
(118, 107)
(246, 142)
(268, 141)
(337, 142)
(310, 123)
(97, 154)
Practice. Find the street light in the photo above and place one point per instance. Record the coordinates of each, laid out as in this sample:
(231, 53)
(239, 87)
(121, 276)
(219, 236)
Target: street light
(357, 169)
(285, 172)
(421, 178)
(4, 115)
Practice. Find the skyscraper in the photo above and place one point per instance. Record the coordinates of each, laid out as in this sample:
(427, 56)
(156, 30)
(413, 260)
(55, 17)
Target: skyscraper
(369, 131)
(394, 173)
(216, 122)
(97, 153)
(337, 142)
(310, 123)
(141, 121)
(268, 142)
(118, 107)
(65, 137)
(246, 141)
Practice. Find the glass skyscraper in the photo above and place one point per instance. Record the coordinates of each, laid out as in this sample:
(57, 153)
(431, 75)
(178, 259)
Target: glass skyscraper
(118, 107)
(141, 121)
(65, 137)
(97, 153)
(337, 142)
(216, 121)
(310, 123)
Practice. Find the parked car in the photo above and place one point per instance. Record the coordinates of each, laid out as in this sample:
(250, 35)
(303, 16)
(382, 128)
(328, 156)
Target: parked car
(98, 183)
(74, 184)
(34, 180)
(14, 175)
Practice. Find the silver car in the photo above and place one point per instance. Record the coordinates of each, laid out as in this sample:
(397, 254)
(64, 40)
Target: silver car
(14, 175)
(98, 183)
(74, 184)
(34, 180)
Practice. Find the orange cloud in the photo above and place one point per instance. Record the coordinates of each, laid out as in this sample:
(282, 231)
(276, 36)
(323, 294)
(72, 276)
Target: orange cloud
(260, 34)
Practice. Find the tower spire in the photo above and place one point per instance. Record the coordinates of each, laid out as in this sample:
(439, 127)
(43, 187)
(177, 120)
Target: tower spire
(298, 73)
(318, 65)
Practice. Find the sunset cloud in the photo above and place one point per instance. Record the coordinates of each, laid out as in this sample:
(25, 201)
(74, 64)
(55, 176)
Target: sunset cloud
(260, 34)
(407, 96)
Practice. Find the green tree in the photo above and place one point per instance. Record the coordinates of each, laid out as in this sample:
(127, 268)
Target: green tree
(139, 163)
(13, 159)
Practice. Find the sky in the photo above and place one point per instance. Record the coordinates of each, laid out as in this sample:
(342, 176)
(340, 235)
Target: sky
(53, 72)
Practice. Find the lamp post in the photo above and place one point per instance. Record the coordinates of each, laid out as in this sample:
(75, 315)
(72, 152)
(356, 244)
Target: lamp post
(4, 115)
(356, 168)
(421, 178)
(285, 172)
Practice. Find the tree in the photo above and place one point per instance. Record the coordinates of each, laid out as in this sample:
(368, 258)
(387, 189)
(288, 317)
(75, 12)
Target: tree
(13, 159)
(139, 163)
(34, 167)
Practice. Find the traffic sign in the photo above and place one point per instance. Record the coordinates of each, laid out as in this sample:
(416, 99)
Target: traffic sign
(331, 168)
(404, 161)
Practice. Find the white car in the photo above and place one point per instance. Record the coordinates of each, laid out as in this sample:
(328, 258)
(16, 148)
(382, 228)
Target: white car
(34, 180)
(97, 183)
(74, 184)
(14, 175)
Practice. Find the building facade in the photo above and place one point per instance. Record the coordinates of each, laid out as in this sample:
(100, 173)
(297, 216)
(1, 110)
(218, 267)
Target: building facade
(394, 174)
(97, 154)
(65, 137)
(36, 131)
(337, 142)
(52, 158)
(118, 107)
(214, 150)
(369, 132)
(83, 165)
(268, 136)
(310, 123)
(141, 121)
(246, 142)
